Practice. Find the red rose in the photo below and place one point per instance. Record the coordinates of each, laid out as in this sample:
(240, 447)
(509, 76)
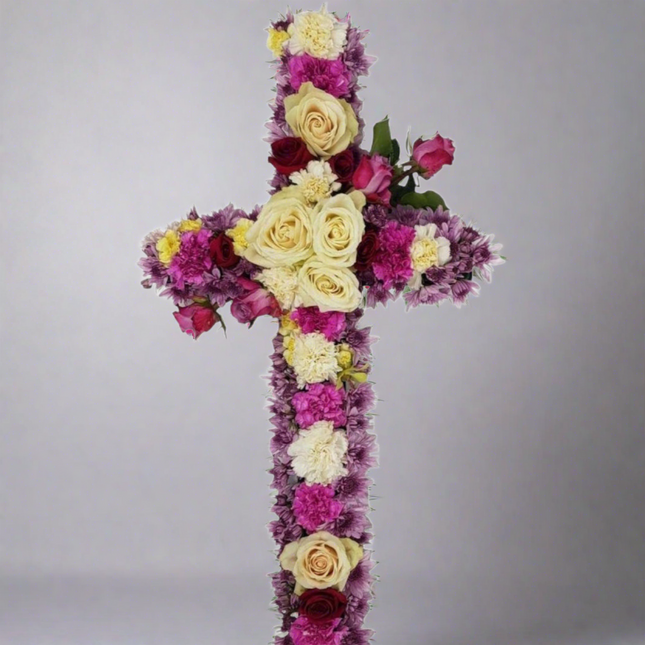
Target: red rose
(221, 251)
(367, 248)
(289, 155)
(196, 319)
(343, 165)
(322, 605)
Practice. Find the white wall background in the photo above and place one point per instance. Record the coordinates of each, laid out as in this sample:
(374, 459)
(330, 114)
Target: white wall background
(133, 484)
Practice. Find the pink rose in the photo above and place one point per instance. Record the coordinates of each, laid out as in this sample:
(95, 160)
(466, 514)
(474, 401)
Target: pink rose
(196, 319)
(255, 302)
(431, 155)
(373, 178)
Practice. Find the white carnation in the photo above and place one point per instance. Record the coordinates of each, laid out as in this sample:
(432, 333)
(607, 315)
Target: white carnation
(313, 358)
(318, 33)
(427, 251)
(319, 453)
(282, 282)
(317, 181)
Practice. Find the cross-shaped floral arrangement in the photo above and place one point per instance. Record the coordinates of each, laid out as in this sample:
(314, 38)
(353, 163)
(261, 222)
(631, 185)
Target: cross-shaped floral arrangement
(343, 228)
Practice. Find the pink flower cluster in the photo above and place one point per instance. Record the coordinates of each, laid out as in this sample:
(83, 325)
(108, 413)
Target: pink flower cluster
(314, 505)
(305, 632)
(311, 319)
(392, 264)
(331, 76)
(320, 402)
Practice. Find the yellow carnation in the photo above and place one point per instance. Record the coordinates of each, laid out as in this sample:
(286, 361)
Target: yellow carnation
(288, 325)
(168, 246)
(276, 40)
(190, 225)
(288, 344)
(344, 356)
(238, 235)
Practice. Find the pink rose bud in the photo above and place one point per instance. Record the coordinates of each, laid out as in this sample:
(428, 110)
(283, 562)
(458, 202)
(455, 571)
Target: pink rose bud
(255, 302)
(195, 319)
(373, 178)
(430, 156)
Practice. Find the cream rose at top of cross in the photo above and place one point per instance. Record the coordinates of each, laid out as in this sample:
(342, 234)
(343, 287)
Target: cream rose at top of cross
(338, 228)
(282, 234)
(326, 124)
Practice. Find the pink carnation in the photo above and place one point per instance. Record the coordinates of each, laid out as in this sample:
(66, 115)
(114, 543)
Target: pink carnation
(330, 76)
(304, 632)
(392, 264)
(314, 505)
(320, 402)
(329, 323)
(192, 260)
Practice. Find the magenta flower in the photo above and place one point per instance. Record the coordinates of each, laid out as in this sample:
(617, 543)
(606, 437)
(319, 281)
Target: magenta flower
(329, 323)
(193, 259)
(330, 76)
(305, 632)
(432, 155)
(255, 302)
(314, 505)
(392, 264)
(320, 402)
(196, 319)
(373, 178)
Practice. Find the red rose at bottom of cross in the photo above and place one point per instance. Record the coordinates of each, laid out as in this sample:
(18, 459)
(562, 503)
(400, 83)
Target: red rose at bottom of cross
(322, 605)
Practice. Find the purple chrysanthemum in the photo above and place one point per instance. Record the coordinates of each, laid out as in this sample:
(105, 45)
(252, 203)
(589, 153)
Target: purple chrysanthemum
(331, 76)
(314, 505)
(192, 260)
(320, 402)
(471, 254)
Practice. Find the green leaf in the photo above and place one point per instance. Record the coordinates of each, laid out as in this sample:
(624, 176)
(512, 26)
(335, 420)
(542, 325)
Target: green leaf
(399, 191)
(396, 152)
(429, 199)
(382, 142)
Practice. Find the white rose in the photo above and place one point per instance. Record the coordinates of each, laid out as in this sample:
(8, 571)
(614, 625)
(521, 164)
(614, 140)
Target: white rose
(327, 287)
(318, 33)
(326, 124)
(338, 228)
(282, 234)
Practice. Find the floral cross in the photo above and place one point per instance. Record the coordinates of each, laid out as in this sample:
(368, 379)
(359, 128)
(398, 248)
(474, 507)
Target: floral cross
(344, 228)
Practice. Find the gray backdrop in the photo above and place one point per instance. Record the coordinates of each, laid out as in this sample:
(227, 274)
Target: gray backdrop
(134, 493)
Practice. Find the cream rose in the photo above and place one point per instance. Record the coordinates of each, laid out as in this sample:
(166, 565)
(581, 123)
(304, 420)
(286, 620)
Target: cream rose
(282, 234)
(338, 228)
(326, 124)
(327, 287)
(321, 561)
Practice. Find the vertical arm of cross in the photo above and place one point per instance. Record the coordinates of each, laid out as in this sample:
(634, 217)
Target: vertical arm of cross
(343, 228)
